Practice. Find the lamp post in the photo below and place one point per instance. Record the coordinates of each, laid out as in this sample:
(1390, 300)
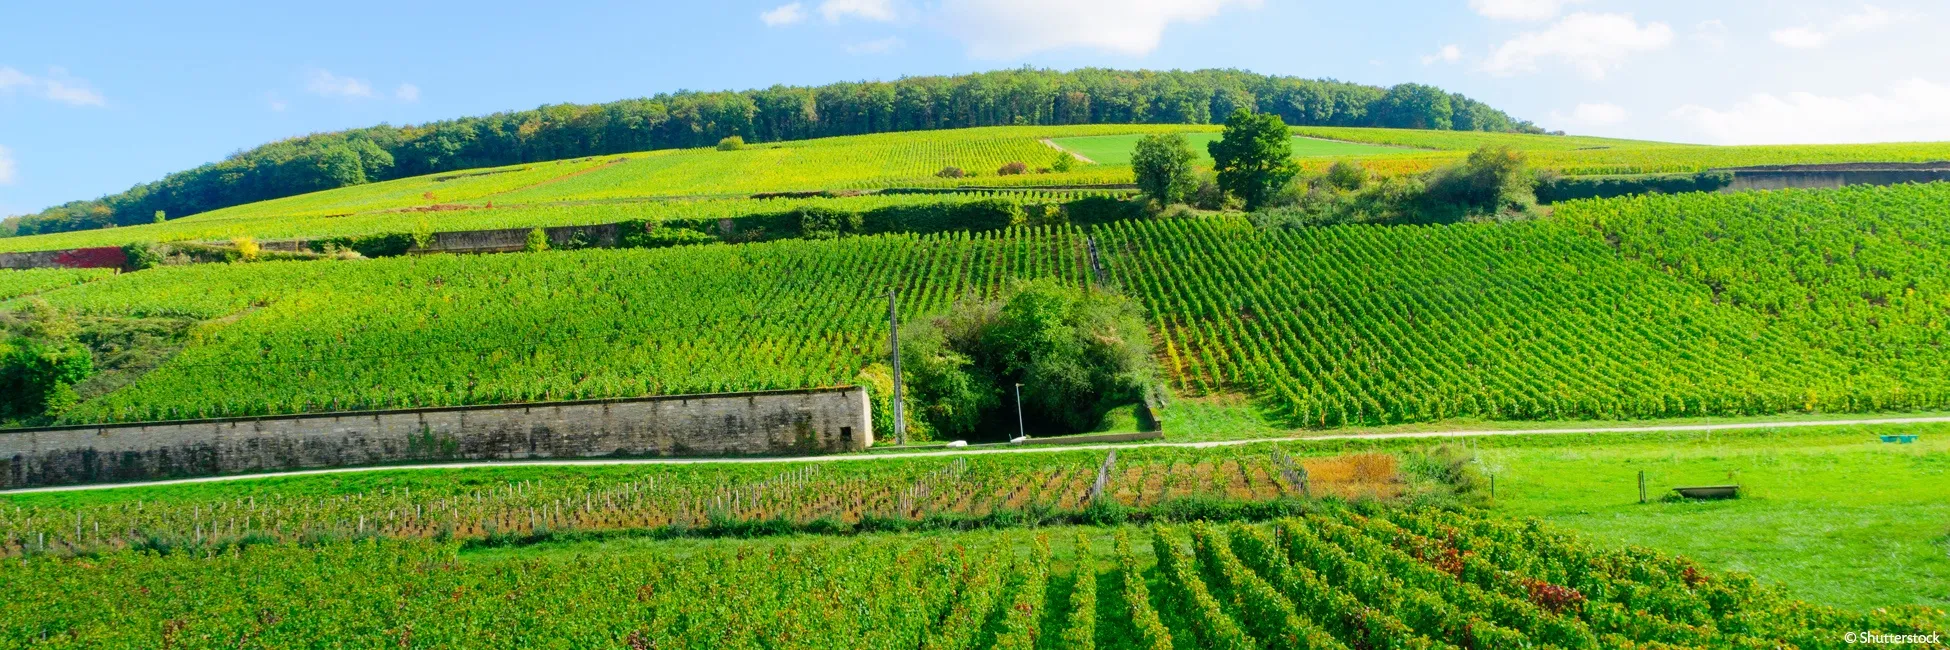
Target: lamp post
(1020, 433)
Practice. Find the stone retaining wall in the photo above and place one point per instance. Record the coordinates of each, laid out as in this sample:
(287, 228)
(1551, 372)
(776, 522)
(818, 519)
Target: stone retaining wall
(769, 422)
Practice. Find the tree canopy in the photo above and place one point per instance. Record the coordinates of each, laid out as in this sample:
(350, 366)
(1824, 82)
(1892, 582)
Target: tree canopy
(1163, 166)
(701, 119)
(1254, 157)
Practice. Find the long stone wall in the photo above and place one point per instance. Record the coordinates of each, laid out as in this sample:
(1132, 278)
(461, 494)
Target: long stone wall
(1781, 177)
(722, 424)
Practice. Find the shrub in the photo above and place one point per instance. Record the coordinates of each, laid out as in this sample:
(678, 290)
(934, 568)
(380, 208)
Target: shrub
(1077, 355)
(827, 223)
(1064, 162)
(142, 256)
(1012, 169)
(639, 234)
(951, 172)
(731, 143)
(247, 249)
(537, 241)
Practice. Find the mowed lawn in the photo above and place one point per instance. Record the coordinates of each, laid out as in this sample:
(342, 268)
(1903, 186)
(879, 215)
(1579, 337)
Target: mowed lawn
(1116, 149)
(1834, 514)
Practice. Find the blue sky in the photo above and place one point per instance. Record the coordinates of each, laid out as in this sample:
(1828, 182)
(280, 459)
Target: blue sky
(95, 96)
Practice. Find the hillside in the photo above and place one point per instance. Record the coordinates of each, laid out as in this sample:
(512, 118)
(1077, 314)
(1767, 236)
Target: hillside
(780, 113)
(1611, 309)
(706, 183)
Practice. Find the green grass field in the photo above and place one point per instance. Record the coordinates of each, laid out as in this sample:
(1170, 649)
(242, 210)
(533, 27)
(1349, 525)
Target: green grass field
(1833, 513)
(1116, 149)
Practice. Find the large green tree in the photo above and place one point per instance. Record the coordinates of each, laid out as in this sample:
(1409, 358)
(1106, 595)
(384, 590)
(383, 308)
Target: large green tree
(1254, 157)
(1163, 165)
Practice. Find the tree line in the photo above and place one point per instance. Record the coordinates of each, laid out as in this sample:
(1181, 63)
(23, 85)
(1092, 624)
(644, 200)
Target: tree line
(696, 119)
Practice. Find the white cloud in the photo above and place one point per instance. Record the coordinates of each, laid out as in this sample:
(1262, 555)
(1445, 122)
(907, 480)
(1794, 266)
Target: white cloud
(11, 79)
(1711, 33)
(881, 46)
(783, 15)
(58, 86)
(7, 167)
(1448, 54)
(326, 84)
(1800, 38)
(407, 93)
(1807, 37)
(1912, 110)
(880, 10)
(276, 103)
(1003, 29)
(1590, 43)
(1593, 115)
(1520, 9)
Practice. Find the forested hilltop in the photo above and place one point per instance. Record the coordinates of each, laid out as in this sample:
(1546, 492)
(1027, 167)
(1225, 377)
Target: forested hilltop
(692, 119)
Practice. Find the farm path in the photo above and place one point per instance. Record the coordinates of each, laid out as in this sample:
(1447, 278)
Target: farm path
(1458, 433)
(1053, 145)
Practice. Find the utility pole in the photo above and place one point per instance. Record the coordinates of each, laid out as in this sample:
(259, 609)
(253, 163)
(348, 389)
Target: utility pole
(1020, 433)
(894, 342)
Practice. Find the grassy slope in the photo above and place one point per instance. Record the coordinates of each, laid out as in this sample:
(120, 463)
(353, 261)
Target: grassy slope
(876, 161)
(1839, 517)
(1116, 149)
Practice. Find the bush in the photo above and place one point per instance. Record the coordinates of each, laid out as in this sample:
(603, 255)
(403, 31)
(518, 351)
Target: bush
(142, 256)
(731, 143)
(1552, 188)
(951, 172)
(1012, 169)
(1208, 195)
(640, 234)
(827, 223)
(381, 245)
(247, 249)
(1064, 162)
(1077, 355)
(537, 241)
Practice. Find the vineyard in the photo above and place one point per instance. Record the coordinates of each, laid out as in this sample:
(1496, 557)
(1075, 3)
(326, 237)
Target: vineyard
(1344, 325)
(17, 283)
(1667, 306)
(1861, 271)
(708, 183)
(1368, 577)
(929, 493)
(314, 336)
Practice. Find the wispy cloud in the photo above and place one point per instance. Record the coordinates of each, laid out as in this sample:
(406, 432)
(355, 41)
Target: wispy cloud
(1592, 114)
(1520, 9)
(57, 86)
(783, 15)
(877, 10)
(1592, 44)
(1911, 110)
(325, 84)
(1448, 54)
(408, 93)
(7, 166)
(1804, 37)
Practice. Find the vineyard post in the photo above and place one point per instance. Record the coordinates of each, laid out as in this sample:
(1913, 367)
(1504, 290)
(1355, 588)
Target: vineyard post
(894, 342)
(1641, 486)
(1020, 432)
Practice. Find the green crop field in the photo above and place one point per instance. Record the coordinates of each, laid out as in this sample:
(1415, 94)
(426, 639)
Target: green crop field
(1618, 309)
(561, 192)
(16, 283)
(1333, 578)
(1116, 149)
